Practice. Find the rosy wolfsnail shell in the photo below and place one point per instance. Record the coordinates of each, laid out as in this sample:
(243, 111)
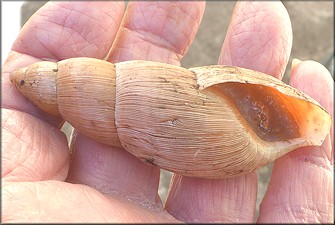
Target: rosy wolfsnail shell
(209, 122)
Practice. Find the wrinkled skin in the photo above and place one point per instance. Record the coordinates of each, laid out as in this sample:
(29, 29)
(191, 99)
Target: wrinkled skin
(44, 181)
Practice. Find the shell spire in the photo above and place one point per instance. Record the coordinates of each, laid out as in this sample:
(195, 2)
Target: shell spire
(38, 83)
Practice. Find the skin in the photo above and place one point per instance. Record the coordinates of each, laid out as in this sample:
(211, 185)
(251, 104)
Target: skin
(45, 181)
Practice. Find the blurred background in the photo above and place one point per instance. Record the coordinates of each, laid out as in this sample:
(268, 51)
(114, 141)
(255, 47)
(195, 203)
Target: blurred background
(313, 30)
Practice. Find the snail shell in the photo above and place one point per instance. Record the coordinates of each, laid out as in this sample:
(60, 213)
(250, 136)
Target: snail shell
(209, 122)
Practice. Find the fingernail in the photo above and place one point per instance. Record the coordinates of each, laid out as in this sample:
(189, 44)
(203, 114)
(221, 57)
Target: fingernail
(295, 62)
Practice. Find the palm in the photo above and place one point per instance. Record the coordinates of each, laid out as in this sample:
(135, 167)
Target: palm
(97, 183)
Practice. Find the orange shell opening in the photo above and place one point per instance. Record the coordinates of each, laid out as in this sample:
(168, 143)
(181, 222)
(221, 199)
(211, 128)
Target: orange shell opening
(272, 115)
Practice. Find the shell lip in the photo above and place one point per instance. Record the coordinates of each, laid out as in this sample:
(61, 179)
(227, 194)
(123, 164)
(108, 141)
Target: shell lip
(208, 76)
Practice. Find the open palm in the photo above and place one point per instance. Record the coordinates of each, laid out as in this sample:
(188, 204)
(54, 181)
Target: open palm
(45, 181)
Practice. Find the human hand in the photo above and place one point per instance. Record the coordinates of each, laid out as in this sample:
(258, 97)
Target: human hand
(42, 182)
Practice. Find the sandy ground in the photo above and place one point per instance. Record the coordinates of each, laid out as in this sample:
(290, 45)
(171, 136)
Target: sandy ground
(313, 32)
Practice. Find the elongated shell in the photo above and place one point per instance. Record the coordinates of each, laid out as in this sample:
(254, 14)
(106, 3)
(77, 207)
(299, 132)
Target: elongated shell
(210, 122)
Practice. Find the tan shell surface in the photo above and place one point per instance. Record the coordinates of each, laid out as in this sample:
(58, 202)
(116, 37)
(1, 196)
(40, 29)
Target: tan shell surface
(164, 118)
(181, 120)
(42, 92)
(86, 97)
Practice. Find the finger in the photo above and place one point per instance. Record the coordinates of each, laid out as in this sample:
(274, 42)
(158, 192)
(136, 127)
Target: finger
(234, 199)
(32, 149)
(57, 31)
(150, 31)
(54, 202)
(195, 200)
(301, 188)
(53, 29)
(111, 170)
(157, 31)
(260, 38)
